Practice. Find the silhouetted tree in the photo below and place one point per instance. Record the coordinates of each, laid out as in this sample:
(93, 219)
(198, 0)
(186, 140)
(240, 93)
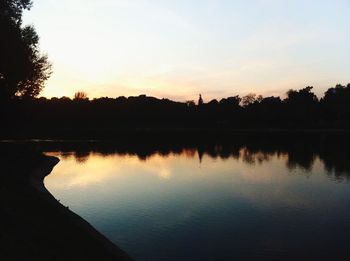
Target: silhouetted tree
(336, 105)
(190, 103)
(23, 69)
(259, 98)
(303, 97)
(231, 101)
(213, 102)
(80, 96)
(14, 9)
(302, 107)
(248, 99)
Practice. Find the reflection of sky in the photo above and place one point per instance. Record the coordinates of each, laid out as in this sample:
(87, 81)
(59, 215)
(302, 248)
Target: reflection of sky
(245, 175)
(180, 48)
(142, 204)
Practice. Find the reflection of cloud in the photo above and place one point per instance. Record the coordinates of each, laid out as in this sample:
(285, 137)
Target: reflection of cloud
(99, 169)
(69, 173)
(267, 184)
(165, 174)
(166, 164)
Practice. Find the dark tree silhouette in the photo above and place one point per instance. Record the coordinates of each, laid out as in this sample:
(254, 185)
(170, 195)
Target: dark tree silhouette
(302, 107)
(303, 97)
(336, 105)
(248, 99)
(190, 103)
(103, 116)
(80, 96)
(231, 101)
(23, 69)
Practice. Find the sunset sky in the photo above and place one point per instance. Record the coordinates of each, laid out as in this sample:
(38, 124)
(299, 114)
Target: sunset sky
(180, 48)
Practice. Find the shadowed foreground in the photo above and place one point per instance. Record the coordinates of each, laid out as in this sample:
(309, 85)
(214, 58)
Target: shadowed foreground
(34, 226)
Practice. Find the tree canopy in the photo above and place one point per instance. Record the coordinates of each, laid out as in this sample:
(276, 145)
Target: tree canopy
(300, 109)
(23, 68)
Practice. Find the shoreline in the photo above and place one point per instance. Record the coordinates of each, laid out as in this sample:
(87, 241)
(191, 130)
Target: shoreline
(37, 226)
(37, 181)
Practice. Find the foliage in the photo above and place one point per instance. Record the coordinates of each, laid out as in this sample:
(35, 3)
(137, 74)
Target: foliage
(248, 99)
(23, 69)
(80, 96)
(300, 110)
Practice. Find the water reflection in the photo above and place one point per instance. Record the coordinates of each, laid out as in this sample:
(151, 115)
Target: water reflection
(247, 200)
(297, 153)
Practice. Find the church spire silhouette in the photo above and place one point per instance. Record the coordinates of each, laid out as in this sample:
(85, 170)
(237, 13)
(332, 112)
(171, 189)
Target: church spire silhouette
(200, 100)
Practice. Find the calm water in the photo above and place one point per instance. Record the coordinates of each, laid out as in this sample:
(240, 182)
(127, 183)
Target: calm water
(194, 204)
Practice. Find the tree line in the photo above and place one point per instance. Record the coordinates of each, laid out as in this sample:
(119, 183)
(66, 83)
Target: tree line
(301, 109)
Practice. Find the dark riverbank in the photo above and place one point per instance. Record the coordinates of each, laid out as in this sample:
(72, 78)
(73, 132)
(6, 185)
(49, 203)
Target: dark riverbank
(34, 225)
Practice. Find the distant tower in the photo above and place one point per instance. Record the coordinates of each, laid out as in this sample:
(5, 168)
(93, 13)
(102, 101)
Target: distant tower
(200, 100)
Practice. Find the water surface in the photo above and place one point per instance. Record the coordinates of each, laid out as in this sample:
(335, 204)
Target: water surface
(210, 204)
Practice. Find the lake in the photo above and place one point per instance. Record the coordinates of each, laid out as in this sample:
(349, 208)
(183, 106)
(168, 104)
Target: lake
(235, 201)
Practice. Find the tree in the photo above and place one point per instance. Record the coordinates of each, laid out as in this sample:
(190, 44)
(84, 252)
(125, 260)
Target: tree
(23, 68)
(233, 101)
(248, 99)
(339, 95)
(336, 105)
(303, 97)
(190, 103)
(302, 107)
(80, 96)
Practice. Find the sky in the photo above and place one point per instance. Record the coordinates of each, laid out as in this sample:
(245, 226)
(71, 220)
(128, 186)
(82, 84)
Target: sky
(180, 48)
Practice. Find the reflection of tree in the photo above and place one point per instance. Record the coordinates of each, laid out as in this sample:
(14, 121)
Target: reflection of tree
(66, 155)
(189, 153)
(81, 156)
(200, 155)
(253, 157)
(300, 160)
(261, 157)
(298, 151)
(337, 161)
(247, 156)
